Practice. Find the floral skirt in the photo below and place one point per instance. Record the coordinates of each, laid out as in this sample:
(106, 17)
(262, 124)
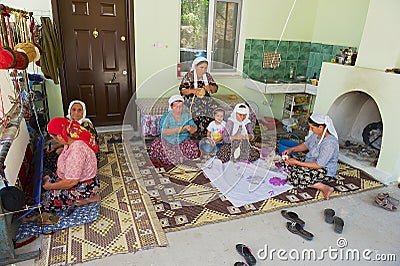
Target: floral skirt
(303, 177)
(201, 110)
(238, 150)
(62, 199)
(169, 153)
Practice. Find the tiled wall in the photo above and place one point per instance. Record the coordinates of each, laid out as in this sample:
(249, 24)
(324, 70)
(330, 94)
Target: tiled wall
(305, 57)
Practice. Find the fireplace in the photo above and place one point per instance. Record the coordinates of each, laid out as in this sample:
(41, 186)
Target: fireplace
(355, 97)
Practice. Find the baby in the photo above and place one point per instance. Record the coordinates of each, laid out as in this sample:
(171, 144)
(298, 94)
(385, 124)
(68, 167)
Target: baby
(215, 131)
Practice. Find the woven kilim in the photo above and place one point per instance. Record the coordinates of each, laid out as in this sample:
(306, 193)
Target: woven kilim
(127, 221)
(184, 198)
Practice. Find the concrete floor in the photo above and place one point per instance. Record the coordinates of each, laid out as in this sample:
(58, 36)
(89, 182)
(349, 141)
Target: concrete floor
(367, 226)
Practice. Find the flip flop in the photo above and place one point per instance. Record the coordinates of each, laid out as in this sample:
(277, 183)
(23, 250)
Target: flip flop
(292, 216)
(329, 214)
(339, 223)
(296, 228)
(246, 253)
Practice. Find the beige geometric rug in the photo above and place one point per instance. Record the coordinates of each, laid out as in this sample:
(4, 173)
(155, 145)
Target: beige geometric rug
(184, 198)
(127, 222)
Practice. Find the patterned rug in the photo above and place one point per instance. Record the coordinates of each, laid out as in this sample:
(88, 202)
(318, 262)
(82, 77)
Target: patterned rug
(127, 221)
(184, 198)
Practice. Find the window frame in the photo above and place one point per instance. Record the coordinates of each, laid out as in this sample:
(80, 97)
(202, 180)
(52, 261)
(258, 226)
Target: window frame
(210, 38)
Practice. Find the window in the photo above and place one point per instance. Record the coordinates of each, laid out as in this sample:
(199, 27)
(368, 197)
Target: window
(210, 28)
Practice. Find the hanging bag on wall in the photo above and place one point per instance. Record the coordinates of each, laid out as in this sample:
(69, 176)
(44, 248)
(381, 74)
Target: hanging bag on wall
(12, 198)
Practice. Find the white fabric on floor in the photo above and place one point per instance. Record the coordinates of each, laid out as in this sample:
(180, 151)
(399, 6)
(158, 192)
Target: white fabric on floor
(244, 183)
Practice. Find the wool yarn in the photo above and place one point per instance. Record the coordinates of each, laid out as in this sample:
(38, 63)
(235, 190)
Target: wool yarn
(7, 58)
(22, 60)
(28, 48)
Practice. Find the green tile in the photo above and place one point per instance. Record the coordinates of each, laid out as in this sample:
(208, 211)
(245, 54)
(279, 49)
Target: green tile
(327, 49)
(246, 64)
(318, 60)
(304, 55)
(268, 74)
(305, 47)
(283, 49)
(257, 47)
(255, 67)
(302, 68)
(315, 48)
(292, 55)
(247, 49)
(311, 59)
(326, 57)
(270, 45)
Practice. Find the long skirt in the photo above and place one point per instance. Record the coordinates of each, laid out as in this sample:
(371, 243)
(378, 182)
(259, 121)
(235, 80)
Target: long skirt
(238, 150)
(62, 199)
(169, 153)
(201, 110)
(303, 177)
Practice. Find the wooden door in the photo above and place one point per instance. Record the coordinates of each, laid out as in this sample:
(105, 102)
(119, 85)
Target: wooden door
(98, 63)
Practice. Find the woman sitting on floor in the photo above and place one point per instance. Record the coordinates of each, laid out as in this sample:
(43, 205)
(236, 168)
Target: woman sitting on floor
(76, 112)
(321, 162)
(75, 181)
(237, 136)
(175, 144)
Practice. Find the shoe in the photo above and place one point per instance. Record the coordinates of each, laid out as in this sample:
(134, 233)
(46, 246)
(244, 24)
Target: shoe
(296, 228)
(115, 140)
(240, 263)
(385, 203)
(339, 223)
(329, 214)
(246, 253)
(292, 216)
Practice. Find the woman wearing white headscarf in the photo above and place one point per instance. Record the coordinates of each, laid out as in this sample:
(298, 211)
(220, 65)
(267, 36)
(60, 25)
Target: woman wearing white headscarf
(237, 135)
(321, 162)
(77, 112)
(176, 126)
(196, 88)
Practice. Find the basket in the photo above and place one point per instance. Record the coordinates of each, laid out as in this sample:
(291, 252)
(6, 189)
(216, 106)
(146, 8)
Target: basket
(284, 144)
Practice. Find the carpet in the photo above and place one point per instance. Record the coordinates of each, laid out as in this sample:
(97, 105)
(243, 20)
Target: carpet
(184, 198)
(127, 221)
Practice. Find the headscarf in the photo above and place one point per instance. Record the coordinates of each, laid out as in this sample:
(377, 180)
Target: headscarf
(327, 121)
(65, 127)
(196, 61)
(236, 124)
(83, 119)
(172, 99)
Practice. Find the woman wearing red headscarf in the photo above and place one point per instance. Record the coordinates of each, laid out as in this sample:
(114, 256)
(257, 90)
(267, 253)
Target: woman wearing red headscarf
(75, 181)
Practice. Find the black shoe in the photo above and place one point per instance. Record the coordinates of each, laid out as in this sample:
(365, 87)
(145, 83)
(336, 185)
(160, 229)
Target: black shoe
(115, 140)
(246, 253)
(329, 214)
(339, 223)
(292, 216)
(296, 228)
(240, 263)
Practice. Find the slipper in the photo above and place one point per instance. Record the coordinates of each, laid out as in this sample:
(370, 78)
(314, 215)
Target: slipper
(246, 253)
(292, 216)
(339, 223)
(296, 228)
(240, 263)
(329, 213)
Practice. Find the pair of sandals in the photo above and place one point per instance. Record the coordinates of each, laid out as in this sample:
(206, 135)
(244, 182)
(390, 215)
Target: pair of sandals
(296, 225)
(387, 202)
(331, 218)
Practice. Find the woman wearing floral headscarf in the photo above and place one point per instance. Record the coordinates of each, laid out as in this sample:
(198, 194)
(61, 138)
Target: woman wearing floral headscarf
(75, 181)
(196, 88)
(237, 136)
(321, 162)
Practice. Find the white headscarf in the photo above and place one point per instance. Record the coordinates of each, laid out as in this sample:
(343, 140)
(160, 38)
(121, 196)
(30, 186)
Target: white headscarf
(324, 120)
(173, 99)
(236, 124)
(196, 61)
(83, 119)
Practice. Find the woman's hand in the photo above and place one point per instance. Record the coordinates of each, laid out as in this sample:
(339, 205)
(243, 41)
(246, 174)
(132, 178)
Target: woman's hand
(46, 184)
(287, 152)
(291, 161)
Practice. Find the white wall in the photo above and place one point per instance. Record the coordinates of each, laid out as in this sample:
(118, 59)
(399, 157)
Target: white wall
(379, 48)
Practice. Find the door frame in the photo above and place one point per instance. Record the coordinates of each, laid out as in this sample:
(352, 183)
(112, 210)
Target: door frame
(130, 63)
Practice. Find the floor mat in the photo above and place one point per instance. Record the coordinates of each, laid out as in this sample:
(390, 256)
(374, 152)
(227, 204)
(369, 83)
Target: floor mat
(127, 221)
(184, 198)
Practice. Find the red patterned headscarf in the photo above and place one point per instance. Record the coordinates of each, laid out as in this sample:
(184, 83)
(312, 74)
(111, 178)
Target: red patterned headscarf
(65, 127)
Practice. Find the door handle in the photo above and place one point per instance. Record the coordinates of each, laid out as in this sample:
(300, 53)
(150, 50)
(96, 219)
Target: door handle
(113, 78)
